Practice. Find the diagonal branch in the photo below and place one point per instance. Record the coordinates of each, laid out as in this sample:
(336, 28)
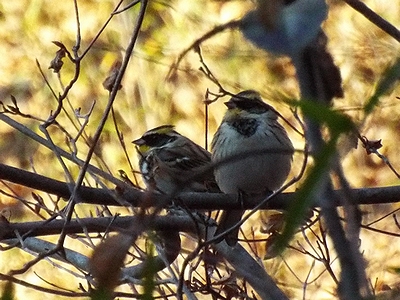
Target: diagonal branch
(374, 18)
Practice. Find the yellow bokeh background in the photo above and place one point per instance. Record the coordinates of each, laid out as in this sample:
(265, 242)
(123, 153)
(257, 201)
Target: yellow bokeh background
(150, 98)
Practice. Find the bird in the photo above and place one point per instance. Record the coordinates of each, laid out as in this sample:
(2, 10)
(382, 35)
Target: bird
(172, 163)
(251, 152)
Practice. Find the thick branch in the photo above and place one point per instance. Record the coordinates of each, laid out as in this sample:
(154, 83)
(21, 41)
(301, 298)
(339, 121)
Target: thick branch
(94, 225)
(252, 271)
(135, 197)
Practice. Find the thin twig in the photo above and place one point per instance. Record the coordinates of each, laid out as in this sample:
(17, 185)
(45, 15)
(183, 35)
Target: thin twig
(101, 30)
(199, 41)
(374, 18)
(34, 136)
(112, 97)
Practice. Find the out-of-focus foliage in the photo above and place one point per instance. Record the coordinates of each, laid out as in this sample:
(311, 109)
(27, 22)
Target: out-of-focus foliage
(150, 98)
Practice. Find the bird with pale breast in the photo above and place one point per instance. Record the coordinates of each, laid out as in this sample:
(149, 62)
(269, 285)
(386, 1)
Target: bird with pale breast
(252, 154)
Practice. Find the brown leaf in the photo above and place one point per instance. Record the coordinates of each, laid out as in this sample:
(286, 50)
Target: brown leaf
(39, 204)
(274, 223)
(5, 216)
(107, 260)
(371, 146)
(57, 63)
(109, 82)
(328, 72)
(59, 44)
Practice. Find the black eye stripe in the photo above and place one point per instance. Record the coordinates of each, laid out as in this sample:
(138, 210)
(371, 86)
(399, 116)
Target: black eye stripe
(250, 105)
(158, 139)
(247, 104)
(250, 101)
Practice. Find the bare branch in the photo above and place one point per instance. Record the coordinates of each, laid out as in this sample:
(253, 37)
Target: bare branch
(374, 18)
(134, 197)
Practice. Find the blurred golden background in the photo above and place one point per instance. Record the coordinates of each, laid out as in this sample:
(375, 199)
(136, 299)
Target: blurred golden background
(150, 98)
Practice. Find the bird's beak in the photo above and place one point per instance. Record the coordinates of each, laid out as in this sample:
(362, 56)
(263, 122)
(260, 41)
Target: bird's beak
(230, 104)
(139, 142)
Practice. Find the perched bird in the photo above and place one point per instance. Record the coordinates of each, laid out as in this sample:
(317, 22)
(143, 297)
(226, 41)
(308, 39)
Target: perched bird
(171, 163)
(252, 153)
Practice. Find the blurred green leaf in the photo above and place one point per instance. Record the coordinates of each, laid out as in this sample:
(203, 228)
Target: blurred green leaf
(8, 292)
(334, 120)
(149, 273)
(101, 294)
(305, 195)
(390, 76)
(395, 270)
(337, 124)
